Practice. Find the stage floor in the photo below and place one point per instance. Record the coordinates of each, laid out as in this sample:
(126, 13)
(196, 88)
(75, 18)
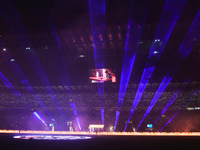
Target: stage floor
(15, 139)
(101, 133)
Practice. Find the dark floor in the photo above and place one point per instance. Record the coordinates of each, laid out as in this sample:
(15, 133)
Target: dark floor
(103, 142)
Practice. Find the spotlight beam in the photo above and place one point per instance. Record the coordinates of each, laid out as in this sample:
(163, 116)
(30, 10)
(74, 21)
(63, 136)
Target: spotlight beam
(160, 90)
(184, 50)
(170, 14)
(36, 114)
(8, 85)
(178, 92)
(133, 36)
(11, 88)
(19, 73)
(195, 93)
(170, 120)
(170, 102)
(97, 19)
(61, 68)
(75, 114)
(11, 16)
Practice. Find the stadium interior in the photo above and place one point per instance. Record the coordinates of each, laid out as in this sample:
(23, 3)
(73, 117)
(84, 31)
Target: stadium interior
(48, 48)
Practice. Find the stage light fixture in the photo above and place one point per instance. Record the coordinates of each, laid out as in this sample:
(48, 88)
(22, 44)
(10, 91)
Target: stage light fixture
(81, 55)
(155, 52)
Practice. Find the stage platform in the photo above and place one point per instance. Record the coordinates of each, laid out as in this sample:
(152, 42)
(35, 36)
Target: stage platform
(84, 133)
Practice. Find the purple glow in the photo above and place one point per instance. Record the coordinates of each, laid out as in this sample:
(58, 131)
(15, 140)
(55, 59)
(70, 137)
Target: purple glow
(77, 120)
(73, 108)
(171, 12)
(102, 115)
(75, 114)
(101, 100)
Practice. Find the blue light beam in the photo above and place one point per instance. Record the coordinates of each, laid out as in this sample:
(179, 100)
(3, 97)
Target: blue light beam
(184, 50)
(173, 98)
(10, 14)
(133, 36)
(36, 114)
(75, 113)
(8, 85)
(19, 73)
(61, 68)
(191, 38)
(195, 93)
(160, 90)
(170, 15)
(97, 19)
(170, 120)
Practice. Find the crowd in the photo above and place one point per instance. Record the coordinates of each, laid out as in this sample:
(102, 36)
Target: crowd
(88, 107)
(83, 99)
(19, 120)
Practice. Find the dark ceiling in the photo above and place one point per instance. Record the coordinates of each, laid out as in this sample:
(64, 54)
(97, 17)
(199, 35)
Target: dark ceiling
(72, 22)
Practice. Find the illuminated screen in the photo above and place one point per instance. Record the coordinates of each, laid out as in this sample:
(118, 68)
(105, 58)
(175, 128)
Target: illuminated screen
(102, 75)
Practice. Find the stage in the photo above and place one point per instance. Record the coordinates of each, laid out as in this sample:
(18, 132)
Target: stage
(84, 133)
(20, 139)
